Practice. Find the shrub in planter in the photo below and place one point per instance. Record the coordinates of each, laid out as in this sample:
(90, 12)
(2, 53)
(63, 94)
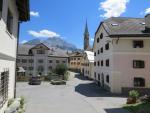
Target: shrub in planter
(60, 82)
(133, 96)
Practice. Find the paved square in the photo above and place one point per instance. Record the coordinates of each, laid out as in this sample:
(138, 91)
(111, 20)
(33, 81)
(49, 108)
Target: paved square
(78, 96)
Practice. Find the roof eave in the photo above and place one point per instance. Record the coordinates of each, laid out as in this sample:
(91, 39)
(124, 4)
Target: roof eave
(24, 10)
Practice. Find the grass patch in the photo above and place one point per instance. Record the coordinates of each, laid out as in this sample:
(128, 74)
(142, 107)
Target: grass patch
(138, 107)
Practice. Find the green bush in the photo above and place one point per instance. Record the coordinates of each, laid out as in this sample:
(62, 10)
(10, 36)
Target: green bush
(134, 94)
(60, 69)
(22, 101)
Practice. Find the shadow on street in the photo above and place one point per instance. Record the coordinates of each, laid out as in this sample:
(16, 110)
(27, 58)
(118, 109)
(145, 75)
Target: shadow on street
(116, 110)
(90, 89)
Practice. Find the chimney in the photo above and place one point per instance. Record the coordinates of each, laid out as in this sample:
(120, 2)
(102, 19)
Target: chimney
(147, 22)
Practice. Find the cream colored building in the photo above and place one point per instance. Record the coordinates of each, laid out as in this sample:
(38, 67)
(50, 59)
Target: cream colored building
(75, 60)
(88, 64)
(122, 54)
(12, 12)
(40, 59)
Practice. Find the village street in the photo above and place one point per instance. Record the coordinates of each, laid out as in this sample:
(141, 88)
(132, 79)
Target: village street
(78, 96)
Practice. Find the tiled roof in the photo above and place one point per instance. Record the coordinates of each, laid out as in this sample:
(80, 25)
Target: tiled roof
(24, 50)
(123, 26)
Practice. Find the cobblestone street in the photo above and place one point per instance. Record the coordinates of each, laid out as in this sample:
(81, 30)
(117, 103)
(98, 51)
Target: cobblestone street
(78, 96)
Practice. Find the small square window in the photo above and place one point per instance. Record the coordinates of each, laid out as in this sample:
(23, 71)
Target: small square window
(107, 46)
(138, 44)
(98, 40)
(107, 78)
(107, 63)
(138, 64)
(102, 63)
(101, 36)
(98, 52)
(101, 50)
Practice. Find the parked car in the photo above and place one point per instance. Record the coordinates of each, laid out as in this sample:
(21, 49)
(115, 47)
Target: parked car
(35, 80)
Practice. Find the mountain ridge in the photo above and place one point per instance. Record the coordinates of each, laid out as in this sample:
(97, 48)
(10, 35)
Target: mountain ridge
(53, 42)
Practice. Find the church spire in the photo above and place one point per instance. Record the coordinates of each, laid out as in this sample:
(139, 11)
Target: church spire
(86, 28)
(86, 37)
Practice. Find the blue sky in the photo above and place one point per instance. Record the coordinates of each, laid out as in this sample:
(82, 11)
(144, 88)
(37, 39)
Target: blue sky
(66, 18)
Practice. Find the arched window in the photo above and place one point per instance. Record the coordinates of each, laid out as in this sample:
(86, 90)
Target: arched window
(139, 82)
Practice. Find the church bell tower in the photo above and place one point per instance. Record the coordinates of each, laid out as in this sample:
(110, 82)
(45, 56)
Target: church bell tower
(86, 37)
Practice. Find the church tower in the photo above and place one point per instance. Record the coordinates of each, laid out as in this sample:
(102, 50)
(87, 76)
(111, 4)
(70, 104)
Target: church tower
(86, 37)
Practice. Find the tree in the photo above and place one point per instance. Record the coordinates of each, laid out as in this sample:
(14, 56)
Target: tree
(61, 69)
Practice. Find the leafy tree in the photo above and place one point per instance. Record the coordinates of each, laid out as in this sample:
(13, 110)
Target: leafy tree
(61, 69)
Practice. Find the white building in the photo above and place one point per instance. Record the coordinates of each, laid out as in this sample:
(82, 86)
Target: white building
(40, 59)
(88, 64)
(12, 12)
(122, 54)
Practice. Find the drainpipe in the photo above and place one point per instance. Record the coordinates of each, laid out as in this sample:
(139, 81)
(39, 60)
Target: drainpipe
(16, 59)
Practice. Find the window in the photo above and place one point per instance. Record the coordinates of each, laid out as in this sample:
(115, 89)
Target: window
(95, 75)
(139, 82)
(18, 60)
(98, 52)
(40, 69)
(94, 53)
(31, 60)
(1, 8)
(57, 61)
(102, 63)
(138, 64)
(107, 46)
(50, 67)
(50, 61)
(74, 58)
(101, 50)
(9, 22)
(94, 63)
(98, 63)
(4, 81)
(24, 61)
(78, 63)
(78, 58)
(138, 44)
(101, 36)
(98, 40)
(107, 78)
(40, 61)
(107, 63)
(99, 77)
(64, 62)
(30, 68)
(40, 52)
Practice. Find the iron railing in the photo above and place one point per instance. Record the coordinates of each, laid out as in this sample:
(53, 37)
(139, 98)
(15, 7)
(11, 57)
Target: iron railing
(4, 80)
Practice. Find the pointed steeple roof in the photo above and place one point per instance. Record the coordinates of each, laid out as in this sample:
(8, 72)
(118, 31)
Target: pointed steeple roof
(86, 28)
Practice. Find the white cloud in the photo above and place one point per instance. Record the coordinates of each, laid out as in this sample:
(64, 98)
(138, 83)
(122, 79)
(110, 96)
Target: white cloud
(35, 14)
(43, 34)
(113, 8)
(92, 39)
(147, 11)
(23, 41)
